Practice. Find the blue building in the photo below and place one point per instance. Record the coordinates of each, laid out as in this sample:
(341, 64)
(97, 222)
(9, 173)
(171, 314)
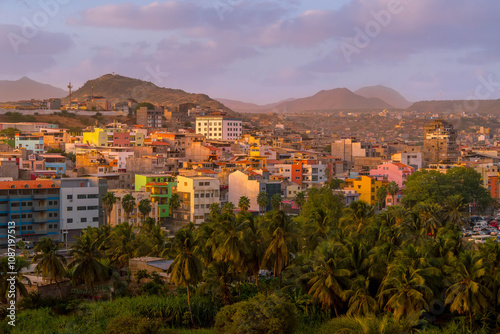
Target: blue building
(29, 142)
(34, 208)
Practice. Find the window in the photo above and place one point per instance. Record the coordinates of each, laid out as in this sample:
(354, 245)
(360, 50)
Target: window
(207, 183)
(69, 208)
(95, 219)
(83, 220)
(93, 207)
(81, 208)
(196, 195)
(81, 196)
(15, 205)
(93, 196)
(69, 220)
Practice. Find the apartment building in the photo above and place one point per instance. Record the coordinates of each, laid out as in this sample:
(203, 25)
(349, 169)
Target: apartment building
(219, 127)
(197, 194)
(248, 184)
(119, 216)
(113, 138)
(34, 207)
(80, 205)
(29, 142)
(160, 188)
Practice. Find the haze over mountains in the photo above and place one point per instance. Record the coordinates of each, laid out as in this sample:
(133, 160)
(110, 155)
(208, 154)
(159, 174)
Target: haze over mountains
(27, 89)
(119, 88)
(376, 97)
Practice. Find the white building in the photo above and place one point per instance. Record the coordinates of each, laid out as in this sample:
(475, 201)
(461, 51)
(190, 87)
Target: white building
(118, 215)
(219, 127)
(197, 194)
(249, 184)
(79, 205)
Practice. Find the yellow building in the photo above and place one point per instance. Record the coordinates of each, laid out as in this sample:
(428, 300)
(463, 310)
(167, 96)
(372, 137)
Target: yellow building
(113, 138)
(366, 187)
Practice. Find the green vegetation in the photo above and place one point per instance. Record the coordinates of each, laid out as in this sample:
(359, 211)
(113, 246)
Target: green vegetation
(330, 269)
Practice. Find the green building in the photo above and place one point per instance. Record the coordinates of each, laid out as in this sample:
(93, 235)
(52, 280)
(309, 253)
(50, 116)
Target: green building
(160, 187)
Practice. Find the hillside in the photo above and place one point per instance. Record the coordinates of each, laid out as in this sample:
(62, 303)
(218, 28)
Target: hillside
(27, 89)
(386, 94)
(458, 106)
(119, 88)
(335, 99)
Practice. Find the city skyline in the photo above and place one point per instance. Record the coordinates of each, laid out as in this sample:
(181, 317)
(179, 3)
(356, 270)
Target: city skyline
(260, 51)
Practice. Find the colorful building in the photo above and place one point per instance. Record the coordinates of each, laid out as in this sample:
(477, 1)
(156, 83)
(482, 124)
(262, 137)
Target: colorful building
(28, 142)
(197, 194)
(160, 187)
(393, 171)
(34, 208)
(365, 186)
(113, 138)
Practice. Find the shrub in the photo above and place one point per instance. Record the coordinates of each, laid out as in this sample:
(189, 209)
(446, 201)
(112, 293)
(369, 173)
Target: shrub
(261, 314)
(133, 325)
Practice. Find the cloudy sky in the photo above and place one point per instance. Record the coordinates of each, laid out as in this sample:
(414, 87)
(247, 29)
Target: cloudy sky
(257, 50)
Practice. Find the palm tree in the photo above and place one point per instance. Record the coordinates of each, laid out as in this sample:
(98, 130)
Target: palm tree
(174, 202)
(187, 268)
(429, 217)
(455, 210)
(393, 189)
(5, 270)
(86, 260)
(381, 196)
(121, 244)
(108, 201)
(329, 278)
(244, 203)
(468, 294)
(228, 209)
(276, 202)
(404, 290)
(358, 214)
(128, 204)
(361, 303)
(300, 199)
(262, 201)
(51, 264)
(282, 242)
(144, 208)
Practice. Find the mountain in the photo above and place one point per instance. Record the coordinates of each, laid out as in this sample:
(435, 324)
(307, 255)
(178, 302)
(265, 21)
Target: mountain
(386, 94)
(457, 106)
(27, 89)
(119, 88)
(335, 99)
(245, 107)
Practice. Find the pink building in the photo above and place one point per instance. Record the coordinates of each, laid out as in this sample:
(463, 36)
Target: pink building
(121, 139)
(393, 171)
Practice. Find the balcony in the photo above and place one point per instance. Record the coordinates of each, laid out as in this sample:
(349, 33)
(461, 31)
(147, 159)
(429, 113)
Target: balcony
(38, 208)
(39, 196)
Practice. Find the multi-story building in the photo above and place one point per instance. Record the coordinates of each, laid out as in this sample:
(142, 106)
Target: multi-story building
(119, 216)
(393, 171)
(29, 142)
(151, 118)
(249, 184)
(160, 187)
(413, 159)
(197, 194)
(219, 127)
(28, 127)
(113, 138)
(349, 148)
(306, 173)
(365, 186)
(440, 143)
(34, 207)
(80, 205)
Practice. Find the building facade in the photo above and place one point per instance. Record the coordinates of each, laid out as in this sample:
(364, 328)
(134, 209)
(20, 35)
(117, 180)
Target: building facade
(219, 127)
(440, 143)
(34, 207)
(197, 194)
(160, 187)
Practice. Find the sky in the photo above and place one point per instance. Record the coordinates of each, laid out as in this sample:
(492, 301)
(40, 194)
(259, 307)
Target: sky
(259, 51)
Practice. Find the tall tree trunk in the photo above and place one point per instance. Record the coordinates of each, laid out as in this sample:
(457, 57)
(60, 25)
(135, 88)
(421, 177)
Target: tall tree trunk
(256, 274)
(59, 287)
(189, 305)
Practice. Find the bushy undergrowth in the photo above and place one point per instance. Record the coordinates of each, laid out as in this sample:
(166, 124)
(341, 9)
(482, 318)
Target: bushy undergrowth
(94, 317)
